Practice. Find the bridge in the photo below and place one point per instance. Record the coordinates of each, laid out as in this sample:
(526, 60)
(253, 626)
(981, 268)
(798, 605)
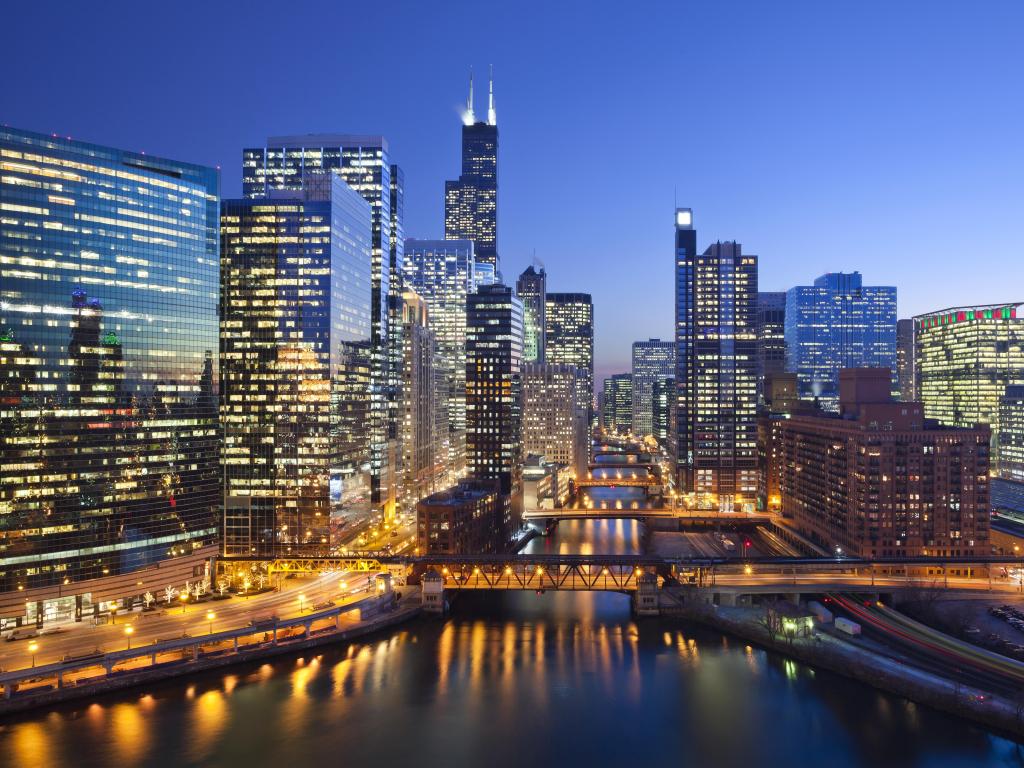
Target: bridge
(694, 517)
(618, 482)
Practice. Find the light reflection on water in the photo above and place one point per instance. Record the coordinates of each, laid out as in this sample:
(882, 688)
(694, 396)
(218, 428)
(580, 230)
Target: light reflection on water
(513, 679)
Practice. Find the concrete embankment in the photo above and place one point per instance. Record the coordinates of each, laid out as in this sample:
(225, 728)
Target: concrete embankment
(205, 662)
(845, 658)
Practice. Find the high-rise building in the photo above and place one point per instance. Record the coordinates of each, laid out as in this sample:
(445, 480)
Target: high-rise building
(716, 332)
(879, 480)
(569, 339)
(653, 361)
(1011, 434)
(838, 323)
(965, 359)
(531, 287)
(471, 201)
(771, 336)
(494, 356)
(663, 410)
(461, 519)
(364, 163)
(443, 273)
(549, 412)
(424, 419)
(109, 441)
(905, 373)
(295, 330)
(618, 404)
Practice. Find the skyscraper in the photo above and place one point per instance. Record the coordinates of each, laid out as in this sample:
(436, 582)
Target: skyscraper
(549, 412)
(471, 201)
(494, 357)
(109, 440)
(364, 163)
(771, 336)
(531, 287)
(1011, 434)
(653, 360)
(618, 404)
(905, 375)
(295, 329)
(663, 410)
(569, 320)
(716, 331)
(443, 273)
(966, 357)
(838, 323)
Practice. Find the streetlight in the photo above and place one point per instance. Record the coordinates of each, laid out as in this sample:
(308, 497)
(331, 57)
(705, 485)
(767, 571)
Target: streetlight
(210, 616)
(33, 646)
(302, 603)
(128, 633)
(184, 599)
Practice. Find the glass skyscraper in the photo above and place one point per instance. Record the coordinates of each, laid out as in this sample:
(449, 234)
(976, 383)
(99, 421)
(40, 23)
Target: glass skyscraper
(364, 163)
(109, 444)
(771, 336)
(569, 339)
(471, 201)
(531, 287)
(653, 360)
(905, 368)
(295, 333)
(838, 323)
(618, 403)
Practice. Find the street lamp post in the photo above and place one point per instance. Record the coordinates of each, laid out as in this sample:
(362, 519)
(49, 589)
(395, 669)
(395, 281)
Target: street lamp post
(33, 646)
(128, 633)
(210, 616)
(184, 599)
(302, 603)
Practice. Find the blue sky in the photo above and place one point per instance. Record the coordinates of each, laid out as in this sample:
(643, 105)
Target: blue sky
(824, 136)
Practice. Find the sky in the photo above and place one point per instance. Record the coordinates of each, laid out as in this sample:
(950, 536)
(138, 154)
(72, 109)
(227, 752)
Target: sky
(881, 137)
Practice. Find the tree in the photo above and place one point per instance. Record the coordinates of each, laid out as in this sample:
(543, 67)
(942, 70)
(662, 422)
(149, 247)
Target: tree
(148, 599)
(169, 594)
(222, 586)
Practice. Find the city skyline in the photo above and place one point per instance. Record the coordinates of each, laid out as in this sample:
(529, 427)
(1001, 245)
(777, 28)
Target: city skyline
(806, 177)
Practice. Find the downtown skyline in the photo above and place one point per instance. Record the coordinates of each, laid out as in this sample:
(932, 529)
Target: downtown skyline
(856, 152)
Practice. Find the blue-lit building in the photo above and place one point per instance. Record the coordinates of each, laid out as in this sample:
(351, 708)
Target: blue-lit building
(838, 323)
(295, 363)
(109, 444)
(364, 163)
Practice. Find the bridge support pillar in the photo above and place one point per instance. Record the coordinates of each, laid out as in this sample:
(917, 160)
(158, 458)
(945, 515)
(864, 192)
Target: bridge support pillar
(433, 592)
(645, 599)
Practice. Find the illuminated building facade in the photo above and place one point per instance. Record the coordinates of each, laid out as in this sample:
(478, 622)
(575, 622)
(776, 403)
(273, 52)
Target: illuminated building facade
(966, 357)
(905, 375)
(653, 361)
(461, 519)
(295, 314)
(618, 404)
(550, 412)
(424, 418)
(569, 339)
(531, 288)
(471, 201)
(443, 273)
(109, 442)
(1011, 434)
(716, 333)
(494, 357)
(663, 409)
(838, 323)
(771, 336)
(364, 163)
(879, 480)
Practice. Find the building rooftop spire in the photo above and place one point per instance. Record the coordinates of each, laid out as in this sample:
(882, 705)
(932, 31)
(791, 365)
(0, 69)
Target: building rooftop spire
(469, 118)
(492, 115)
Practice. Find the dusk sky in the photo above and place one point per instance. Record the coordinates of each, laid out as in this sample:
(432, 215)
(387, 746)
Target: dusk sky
(874, 136)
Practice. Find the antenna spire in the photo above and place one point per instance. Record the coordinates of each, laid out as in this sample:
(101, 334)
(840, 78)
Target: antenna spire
(492, 116)
(469, 118)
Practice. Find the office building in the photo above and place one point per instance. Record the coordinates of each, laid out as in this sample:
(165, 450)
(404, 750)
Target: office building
(494, 355)
(443, 273)
(905, 375)
(109, 442)
(471, 201)
(1011, 434)
(880, 480)
(364, 163)
(460, 520)
(549, 412)
(531, 288)
(569, 339)
(295, 331)
(663, 409)
(965, 358)
(424, 419)
(618, 404)
(653, 361)
(716, 337)
(838, 323)
(771, 336)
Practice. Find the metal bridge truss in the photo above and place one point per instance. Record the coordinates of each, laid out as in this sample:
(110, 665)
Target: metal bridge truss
(518, 575)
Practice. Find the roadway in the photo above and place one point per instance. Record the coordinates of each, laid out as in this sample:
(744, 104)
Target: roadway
(170, 622)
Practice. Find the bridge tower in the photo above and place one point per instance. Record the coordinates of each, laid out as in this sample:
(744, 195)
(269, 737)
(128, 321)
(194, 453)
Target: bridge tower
(433, 592)
(645, 599)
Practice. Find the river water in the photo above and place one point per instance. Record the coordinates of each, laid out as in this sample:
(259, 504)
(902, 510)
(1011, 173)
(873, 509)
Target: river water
(517, 679)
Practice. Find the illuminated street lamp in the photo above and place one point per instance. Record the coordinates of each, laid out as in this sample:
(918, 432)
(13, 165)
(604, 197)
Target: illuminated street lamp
(33, 646)
(184, 599)
(210, 616)
(128, 631)
(302, 603)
